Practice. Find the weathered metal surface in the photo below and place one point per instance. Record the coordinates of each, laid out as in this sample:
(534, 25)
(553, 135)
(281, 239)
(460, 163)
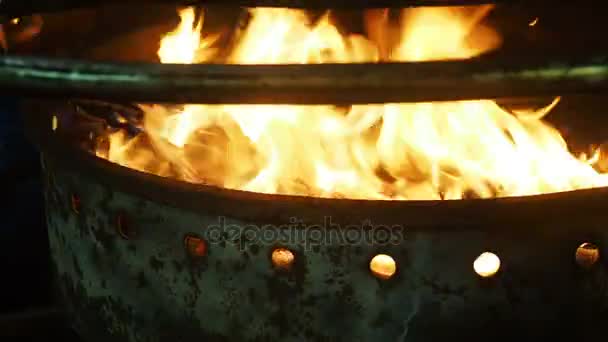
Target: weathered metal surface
(484, 77)
(146, 286)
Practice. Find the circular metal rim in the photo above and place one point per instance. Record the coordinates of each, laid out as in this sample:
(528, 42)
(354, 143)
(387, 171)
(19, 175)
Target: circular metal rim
(13, 8)
(489, 76)
(486, 214)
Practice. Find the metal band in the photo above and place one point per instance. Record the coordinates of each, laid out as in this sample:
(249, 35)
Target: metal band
(483, 77)
(13, 8)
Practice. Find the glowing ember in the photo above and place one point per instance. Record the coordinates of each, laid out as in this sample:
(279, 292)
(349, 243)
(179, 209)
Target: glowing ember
(422, 151)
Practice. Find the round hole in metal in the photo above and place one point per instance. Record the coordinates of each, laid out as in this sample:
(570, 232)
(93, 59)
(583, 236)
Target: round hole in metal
(487, 264)
(587, 255)
(124, 228)
(282, 258)
(195, 246)
(54, 123)
(75, 203)
(383, 266)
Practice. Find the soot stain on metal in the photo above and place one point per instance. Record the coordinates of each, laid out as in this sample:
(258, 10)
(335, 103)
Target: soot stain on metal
(142, 282)
(77, 267)
(156, 264)
(254, 249)
(156, 293)
(105, 238)
(177, 266)
(132, 248)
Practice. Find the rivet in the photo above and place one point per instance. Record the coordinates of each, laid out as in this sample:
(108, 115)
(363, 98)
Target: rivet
(383, 266)
(282, 258)
(587, 255)
(195, 246)
(487, 264)
(125, 230)
(75, 202)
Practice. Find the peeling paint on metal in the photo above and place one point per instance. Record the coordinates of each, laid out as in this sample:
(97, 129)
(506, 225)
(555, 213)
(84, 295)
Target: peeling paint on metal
(149, 289)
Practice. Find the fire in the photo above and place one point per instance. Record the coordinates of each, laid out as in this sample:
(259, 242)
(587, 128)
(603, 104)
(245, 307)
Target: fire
(418, 151)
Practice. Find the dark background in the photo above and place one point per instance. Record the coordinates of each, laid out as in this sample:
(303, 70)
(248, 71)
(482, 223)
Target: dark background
(24, 253)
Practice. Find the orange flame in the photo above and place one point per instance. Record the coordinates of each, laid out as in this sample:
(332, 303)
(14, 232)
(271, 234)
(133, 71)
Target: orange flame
(422, 151)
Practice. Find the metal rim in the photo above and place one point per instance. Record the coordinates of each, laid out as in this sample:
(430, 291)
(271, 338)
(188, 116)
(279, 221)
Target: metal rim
(12, 8)
(489, 76)
(256, 207)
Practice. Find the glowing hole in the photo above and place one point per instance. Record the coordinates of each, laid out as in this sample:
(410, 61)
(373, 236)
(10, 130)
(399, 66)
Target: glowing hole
(587, 255)
(533, 22)
(383, 266)
(195, 246)
(75, 203)
(55, 123)
(124, 228)
(282, 258)
(487, 264)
